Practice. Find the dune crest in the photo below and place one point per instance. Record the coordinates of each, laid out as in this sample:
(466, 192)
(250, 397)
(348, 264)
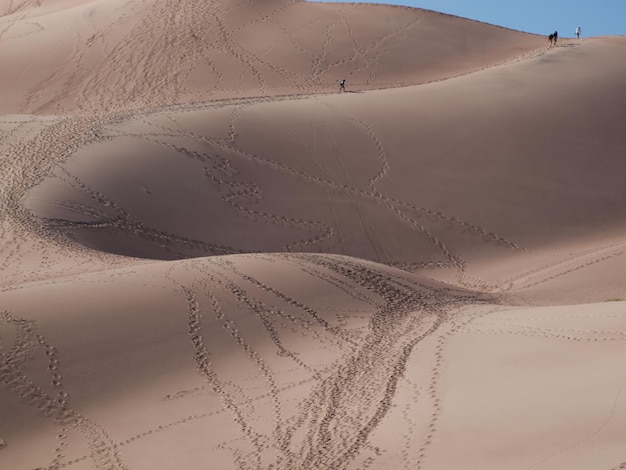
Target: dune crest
(140, 55)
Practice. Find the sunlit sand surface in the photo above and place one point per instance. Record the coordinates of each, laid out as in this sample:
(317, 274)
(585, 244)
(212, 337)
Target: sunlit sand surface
(212, 258)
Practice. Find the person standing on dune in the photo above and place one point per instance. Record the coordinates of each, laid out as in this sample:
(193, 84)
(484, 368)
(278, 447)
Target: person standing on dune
(342, 85)
(578, 33)
(556, 36)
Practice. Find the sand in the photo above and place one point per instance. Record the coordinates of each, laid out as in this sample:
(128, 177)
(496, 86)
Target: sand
(211, 258)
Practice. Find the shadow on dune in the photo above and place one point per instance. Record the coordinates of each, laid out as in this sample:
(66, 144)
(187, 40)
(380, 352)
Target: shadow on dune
(485, 165)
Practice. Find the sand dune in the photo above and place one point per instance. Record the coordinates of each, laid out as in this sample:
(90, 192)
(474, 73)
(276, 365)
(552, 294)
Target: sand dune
(200, 361)
(493, 174)
(134, 55)
(211, 258)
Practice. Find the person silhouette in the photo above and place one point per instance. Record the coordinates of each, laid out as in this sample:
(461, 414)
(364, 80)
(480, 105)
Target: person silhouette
(342, 85)
(578, 33)
(556, 36)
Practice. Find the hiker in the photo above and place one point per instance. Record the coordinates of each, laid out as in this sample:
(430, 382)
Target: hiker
(342, 85)
(551, 38)
(578, 33)
(556, 35)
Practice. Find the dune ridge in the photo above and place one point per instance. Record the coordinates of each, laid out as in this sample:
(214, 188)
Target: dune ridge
(130, 56)
(211, 258)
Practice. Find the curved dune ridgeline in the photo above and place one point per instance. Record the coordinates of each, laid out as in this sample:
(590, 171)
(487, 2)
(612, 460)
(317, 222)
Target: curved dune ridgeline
(140, 55)
(212, 258)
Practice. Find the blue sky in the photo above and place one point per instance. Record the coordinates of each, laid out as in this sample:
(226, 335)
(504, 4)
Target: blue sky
(596, 18)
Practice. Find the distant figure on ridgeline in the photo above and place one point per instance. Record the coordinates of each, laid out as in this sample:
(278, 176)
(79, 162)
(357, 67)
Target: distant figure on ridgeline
(556, 36)
(551, 38)
(578, 33)
(342, 85)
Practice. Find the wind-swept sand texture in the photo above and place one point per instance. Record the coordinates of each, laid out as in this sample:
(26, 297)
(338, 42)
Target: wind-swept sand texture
(209, 258)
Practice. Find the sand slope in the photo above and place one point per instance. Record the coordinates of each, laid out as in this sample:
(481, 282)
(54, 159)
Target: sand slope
(210, 258)
(224, 347)
(140, 54)
(481, 168)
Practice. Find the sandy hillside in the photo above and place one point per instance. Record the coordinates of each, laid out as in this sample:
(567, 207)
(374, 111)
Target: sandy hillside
(210, 258)
(130, 54)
